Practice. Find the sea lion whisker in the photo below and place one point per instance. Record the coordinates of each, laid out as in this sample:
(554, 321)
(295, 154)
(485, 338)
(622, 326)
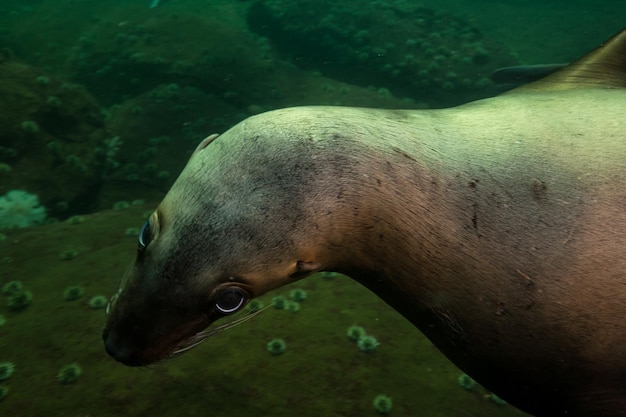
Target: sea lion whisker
(215, 330)
(201, 336)
(187, 347)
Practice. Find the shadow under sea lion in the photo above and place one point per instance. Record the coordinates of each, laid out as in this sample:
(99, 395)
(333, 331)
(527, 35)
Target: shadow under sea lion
(498, 228)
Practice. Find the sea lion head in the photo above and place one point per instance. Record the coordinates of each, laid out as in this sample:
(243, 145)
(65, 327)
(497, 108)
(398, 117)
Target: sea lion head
(225, 233)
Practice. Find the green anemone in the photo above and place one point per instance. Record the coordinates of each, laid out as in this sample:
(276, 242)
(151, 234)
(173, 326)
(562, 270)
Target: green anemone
(68, 254)
(382, 404)
(6, 370)
(69, 373)
(466, 382)
(368, 343)
(20, 300)
(355, 333)
(292, 306)
(73, 292)
(276, 346)
(4, 391)
(12, 287)
(255, 305)
(97, 302)
(279, 302)
(298, 294)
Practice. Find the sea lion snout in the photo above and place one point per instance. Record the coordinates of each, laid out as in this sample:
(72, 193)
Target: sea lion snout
(188, 273)
(142, 330)
(117, 350)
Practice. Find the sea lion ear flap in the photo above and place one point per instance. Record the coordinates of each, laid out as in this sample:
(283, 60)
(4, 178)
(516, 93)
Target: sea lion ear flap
(205, 142)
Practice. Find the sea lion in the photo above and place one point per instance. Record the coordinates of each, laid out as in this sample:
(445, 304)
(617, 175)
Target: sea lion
(498, 228)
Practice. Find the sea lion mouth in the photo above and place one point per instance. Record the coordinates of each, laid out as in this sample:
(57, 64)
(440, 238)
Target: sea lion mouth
(130, 353)
(195, 340)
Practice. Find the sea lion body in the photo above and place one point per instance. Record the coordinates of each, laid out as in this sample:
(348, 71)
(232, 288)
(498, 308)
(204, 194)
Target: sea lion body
(498, 228)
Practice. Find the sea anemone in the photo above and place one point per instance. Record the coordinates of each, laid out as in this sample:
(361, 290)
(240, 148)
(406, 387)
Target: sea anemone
(279, 302)
(292, 306)
(20, 300)
(6, 370)
(97, 302)
(466, 382)
(73, 292)
(68, 254)
(12, 287)
(355, 333)
(43, 80)
(255, 305)
(69, 373)
(368, 343)
(297, 295)
(276, 346)
(30, 126)
(131, 232)
(121, 205)
(495, 399)
(382, 404)
(4, 391)
(75, 220)
(20, 209)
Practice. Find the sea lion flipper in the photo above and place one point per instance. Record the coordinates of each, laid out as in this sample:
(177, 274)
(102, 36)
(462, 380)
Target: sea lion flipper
(604, 67)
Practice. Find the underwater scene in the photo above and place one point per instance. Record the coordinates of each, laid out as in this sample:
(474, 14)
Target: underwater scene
(101, 105)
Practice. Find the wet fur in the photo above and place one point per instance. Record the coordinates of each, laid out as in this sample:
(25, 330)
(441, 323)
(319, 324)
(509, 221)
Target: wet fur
(497, 228)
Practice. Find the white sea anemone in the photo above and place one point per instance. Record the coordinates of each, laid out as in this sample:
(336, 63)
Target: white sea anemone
(20, 209)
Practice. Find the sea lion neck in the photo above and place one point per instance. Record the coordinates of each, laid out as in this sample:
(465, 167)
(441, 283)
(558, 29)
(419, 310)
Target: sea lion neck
(457, 219)
(373, 217)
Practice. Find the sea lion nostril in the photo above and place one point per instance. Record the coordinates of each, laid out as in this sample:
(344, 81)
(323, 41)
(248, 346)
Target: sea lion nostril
(117, 350)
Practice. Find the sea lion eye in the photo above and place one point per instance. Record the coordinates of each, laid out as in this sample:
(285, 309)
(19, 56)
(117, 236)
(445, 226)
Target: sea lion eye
(145, 235)
(149, 232)
(230, 300)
